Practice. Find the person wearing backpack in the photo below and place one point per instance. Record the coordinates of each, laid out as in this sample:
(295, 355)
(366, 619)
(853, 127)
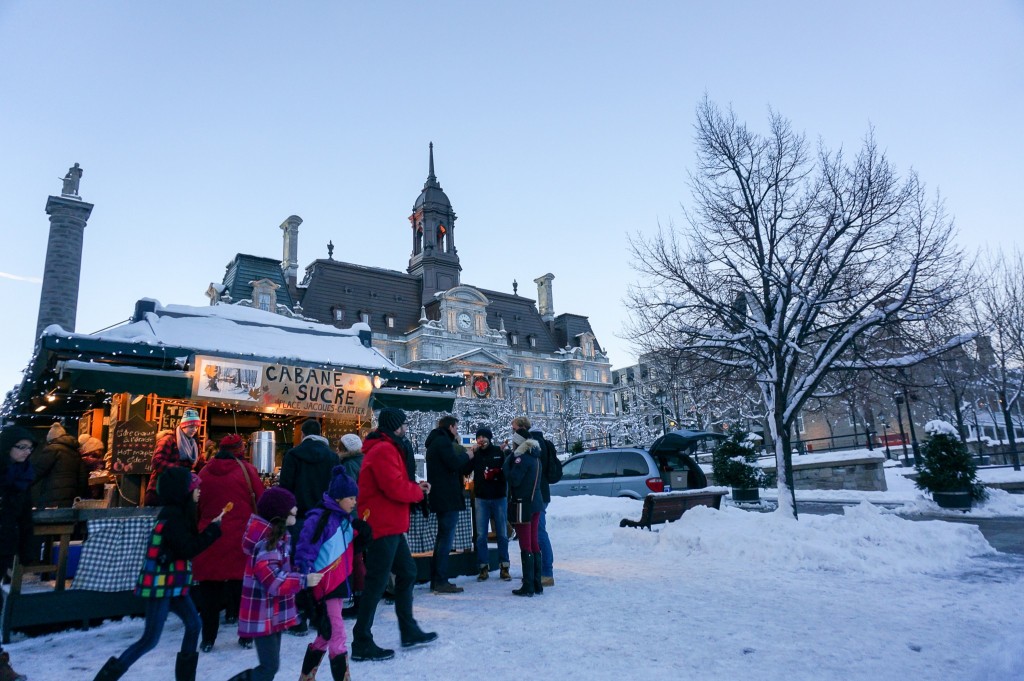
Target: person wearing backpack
(331, 539)
(551, 472)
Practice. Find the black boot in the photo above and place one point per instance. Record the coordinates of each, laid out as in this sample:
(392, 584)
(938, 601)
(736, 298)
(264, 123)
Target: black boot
(339, 668)
(310, 663)
(185, 666)
(112, 670)
(527, 588)
(538, 563)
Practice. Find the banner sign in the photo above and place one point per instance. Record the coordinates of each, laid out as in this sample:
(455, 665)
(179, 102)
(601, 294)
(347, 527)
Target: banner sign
(282, 387)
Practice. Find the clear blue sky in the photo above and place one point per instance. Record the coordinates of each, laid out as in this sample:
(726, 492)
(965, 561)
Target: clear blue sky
(559, 129)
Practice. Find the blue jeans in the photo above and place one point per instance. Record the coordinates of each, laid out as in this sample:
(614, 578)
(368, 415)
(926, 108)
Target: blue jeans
(486, 509)
(547, 557)
(268, 652)
(157, 610)
(446, 523)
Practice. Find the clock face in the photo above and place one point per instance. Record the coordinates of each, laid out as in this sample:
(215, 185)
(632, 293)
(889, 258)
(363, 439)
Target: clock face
(465, 321)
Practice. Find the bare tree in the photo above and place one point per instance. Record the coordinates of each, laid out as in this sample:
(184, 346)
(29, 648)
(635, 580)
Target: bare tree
(789, 263)
(998, 305)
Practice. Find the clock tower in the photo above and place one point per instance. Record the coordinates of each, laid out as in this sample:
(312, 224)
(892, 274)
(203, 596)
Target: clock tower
(434, 258)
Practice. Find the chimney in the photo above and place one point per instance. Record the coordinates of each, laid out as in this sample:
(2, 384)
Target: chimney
(290, 255)
(62, 272)
(545, 298)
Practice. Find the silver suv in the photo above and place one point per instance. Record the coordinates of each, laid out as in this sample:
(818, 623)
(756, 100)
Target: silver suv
(627, 472)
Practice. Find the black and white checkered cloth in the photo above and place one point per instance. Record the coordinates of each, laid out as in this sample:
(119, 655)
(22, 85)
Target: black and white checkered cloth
(113, 553)
(423, 531)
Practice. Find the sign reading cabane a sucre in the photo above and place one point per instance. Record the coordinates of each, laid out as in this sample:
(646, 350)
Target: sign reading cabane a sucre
(282, 387)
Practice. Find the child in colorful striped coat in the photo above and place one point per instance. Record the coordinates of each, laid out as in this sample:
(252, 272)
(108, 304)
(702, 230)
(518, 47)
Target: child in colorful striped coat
(167, 575)
(329, 541)
(269, 585)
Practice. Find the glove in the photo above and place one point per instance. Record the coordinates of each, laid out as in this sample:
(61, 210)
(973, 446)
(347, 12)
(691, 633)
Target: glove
(364, 535)
(491, 473)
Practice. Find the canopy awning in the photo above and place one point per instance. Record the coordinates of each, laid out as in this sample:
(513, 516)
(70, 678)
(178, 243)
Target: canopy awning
(125, 379)
(413, 400)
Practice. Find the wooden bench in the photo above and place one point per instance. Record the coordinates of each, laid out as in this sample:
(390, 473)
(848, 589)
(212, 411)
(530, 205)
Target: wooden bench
(665, 507)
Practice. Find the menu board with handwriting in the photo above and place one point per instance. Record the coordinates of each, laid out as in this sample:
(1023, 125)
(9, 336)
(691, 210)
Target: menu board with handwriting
(133, 445)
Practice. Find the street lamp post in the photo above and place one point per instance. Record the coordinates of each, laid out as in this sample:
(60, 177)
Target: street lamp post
(885, 434)
(897, 397)
(660, 396)
(910, 421)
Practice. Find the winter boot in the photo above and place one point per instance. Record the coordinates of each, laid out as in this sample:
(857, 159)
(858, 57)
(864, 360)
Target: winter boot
(7, 673)
(339, 668)
(112, 670)
(185, 666)
(527, 588)
(484, 573)
(310, 663)
(538, 563)
(505, 576)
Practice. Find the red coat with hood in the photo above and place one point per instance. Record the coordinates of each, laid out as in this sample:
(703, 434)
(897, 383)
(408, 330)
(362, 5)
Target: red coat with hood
(223, 481)
(385, 490)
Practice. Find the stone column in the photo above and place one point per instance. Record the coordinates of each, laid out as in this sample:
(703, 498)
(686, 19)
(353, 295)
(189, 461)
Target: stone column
(58, 300)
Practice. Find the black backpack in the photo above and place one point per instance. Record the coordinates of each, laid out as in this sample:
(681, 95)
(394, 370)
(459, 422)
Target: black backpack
(552, 466)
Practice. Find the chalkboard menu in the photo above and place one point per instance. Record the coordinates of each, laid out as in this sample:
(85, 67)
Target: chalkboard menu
(133, 445)
(333, 429)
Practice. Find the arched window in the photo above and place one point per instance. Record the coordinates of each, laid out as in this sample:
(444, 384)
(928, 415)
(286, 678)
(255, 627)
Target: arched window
(442, 239)
(417, 239)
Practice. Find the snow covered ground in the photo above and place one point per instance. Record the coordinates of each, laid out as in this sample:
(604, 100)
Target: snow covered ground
(727, 594)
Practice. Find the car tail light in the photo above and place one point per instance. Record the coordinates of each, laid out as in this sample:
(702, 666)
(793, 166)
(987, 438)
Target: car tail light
(655, 484)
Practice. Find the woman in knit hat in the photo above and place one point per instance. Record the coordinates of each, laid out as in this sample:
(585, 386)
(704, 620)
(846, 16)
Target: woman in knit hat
(167, 575)
(16, 477)
(227, 479)
(60, 473)
(177, 447)
(269, 585)
(522, 470)
(331, 539)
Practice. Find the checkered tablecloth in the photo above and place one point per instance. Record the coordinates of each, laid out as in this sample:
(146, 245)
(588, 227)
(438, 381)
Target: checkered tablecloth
(113, 553)
(423, 531)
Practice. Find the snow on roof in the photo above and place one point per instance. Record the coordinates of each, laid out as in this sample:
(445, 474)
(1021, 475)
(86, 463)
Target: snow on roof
(238, 330)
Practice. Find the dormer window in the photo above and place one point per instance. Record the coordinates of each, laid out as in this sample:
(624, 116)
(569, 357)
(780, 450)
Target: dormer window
(389, 321)
(513, 338)
(339, 313)
(532, 340)
(364, 317)
(264, 295)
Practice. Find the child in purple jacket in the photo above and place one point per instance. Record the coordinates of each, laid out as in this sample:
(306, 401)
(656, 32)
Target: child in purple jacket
(268, 584)
(329, 540)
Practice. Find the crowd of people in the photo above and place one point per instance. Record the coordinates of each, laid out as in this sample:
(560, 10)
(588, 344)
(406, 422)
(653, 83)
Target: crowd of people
(288, 558)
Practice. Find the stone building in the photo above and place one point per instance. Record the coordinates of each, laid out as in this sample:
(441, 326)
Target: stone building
(512, 350)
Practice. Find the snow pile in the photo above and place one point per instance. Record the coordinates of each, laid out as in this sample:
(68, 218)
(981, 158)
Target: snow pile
(940, 427)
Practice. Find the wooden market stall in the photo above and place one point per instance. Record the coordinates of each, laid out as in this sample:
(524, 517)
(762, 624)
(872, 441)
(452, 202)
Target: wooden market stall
(244, 370)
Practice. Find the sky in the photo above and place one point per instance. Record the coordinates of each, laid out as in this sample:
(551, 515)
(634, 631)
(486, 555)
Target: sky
(560, 129)
(866, 595)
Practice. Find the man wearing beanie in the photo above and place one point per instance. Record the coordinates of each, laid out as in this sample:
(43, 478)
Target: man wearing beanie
(306, 473)
(445, 468)
(385, 493)
(60, 473)
(489, 490)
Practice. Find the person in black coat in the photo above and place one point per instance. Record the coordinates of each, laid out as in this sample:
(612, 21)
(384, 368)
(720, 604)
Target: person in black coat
(61, 474)
(16, 477)
(523, 471)
(551, 470)
(445, 468)
(489, 490)
(306, 473)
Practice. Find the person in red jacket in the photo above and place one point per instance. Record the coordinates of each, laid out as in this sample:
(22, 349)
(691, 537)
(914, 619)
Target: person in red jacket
(226, 478)
(385, 493)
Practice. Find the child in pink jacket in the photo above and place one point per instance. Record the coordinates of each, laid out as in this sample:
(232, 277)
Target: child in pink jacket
(268, 584)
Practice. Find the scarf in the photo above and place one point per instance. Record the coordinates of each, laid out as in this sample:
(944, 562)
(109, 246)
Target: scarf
(18, 476)
(187, 447)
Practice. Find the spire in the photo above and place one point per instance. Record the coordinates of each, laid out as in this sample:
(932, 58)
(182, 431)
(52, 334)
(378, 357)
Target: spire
(431, 178)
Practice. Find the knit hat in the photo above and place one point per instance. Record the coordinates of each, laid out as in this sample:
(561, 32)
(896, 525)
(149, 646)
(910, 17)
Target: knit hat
(232, 443)
(12, 435)
(485, 431)
(90, 444)
(191, 418)
(56, 431)
(276, 502)
(193, 482)
(342, 486)
(82, 438)
(390, 419)
(351, 442)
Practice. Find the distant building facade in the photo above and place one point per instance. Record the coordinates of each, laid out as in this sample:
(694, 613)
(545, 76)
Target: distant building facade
(510, 348)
